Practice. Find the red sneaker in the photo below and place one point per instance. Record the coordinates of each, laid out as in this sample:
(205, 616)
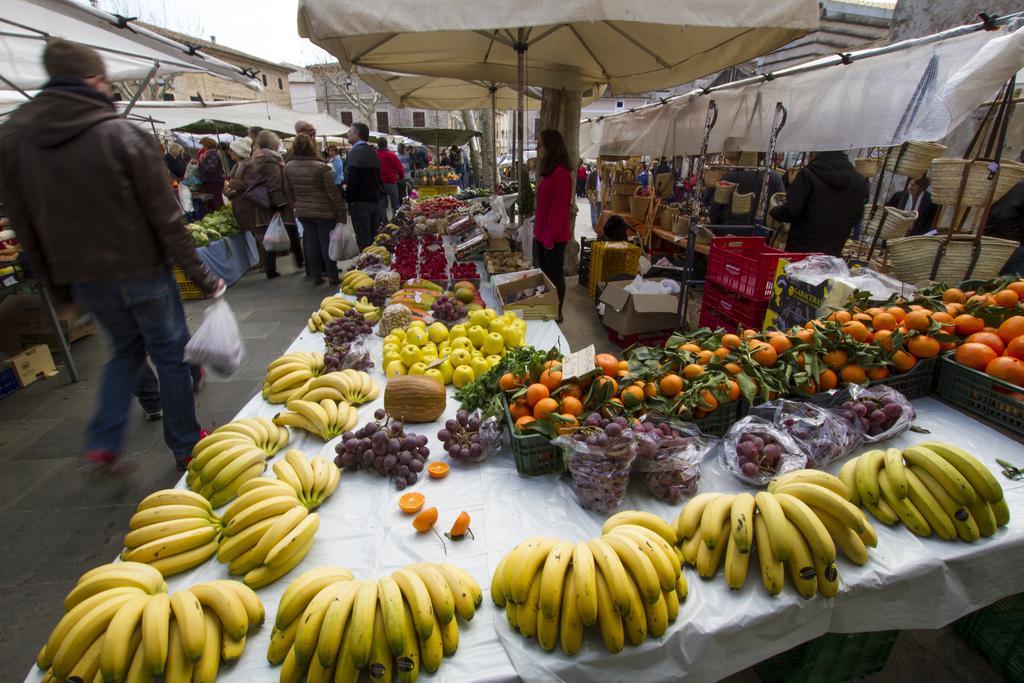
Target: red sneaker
(99, 458)
(182, 463)
(203, 433)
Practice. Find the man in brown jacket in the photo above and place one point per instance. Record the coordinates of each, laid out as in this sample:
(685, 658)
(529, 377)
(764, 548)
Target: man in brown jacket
(88, 197)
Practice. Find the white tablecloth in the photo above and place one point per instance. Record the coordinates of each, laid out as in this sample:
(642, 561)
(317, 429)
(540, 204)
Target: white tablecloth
(908, 582)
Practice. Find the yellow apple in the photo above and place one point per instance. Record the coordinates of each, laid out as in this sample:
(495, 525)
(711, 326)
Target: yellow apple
(411, 354)
(417, 323)
(428, 357)
(392, 356)
(493, 360)
(429, 346)
(416, 335)
(497, 325)
(461, 343)
(438, 332)
(391, 348)
(447, 369)
(462, 376)
(490, 313)
(479, 318)
(456, 332)
(417, 368)
(444, 346)
(480, 366)
(395, 368)
(512, 336)
(494, 344)
(436, 374)
(394, 339)
(398, 332)
(459, 357)
(476, 335)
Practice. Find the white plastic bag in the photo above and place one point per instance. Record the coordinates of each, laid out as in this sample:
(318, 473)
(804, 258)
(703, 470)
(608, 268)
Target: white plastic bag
(343, 243)
(218, 341)
(185, 198)
(276, 237)
(526, 238)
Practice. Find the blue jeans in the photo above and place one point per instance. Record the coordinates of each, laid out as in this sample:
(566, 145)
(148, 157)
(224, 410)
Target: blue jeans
(141, 316)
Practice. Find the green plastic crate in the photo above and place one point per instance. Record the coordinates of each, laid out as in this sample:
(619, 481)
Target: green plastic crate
(831, 658)
(998, 632)
(917, 383)
(981, 394)
(533, 453)
(718, 422)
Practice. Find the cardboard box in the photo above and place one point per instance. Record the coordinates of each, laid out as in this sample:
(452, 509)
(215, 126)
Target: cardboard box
(24, 323)
(794, 303)
(537, 307)
(35, 363)
(629, 314)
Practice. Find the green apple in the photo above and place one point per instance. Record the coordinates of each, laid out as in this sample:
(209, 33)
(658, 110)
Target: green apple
(417, 368)
(461, 343)
(436, 374)
(447, 370)
(479, 365)
(462, 376)
(476, 335)
(494, 344)
(456, 332)
(417, 336)
(459, 357)
(411, 354)
(438, 332)
(395, 368)
(512, 336)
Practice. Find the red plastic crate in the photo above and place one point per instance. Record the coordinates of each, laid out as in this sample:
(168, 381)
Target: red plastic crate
(747, 312)
(647, 339)
(746, 265)
(711, 318)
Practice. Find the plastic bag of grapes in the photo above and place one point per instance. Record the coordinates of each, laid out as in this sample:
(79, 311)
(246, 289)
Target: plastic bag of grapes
(469, 438)
(668, 456)
(756, 451)
(821, 433)
(880, 411)
(599, 456)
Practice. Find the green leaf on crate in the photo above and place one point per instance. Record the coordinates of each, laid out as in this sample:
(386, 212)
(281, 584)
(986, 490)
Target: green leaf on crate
(542, 427)
(748, 387)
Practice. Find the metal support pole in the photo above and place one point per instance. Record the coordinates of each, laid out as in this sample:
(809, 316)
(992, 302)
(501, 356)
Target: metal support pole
(691, 237)
(762, 199)
(142, 86)
(520, 105)
(494, 133)
(65, 348)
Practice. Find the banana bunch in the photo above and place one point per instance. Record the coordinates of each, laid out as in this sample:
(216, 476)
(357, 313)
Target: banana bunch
(330, 626)
(288, 375)
(369, 311)
(232, 455)
(312, 481)
(348, 385)
(800, 522)
(930, 487)
(172, 530)
(267, 531)
(326, 418)
(353, 280)
(331, 308)
(379, 251)
(629, 582)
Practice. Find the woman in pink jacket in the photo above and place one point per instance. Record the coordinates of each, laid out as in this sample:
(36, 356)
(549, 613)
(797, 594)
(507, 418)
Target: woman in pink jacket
(551, 225)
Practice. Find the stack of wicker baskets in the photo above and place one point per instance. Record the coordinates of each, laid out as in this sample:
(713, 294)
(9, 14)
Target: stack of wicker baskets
(913, 258)
(892, 221)
(947, 175)
(913, 158)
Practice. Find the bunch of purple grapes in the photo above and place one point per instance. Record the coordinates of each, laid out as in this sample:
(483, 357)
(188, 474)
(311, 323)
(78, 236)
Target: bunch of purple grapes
(343, 357)
(461, 437)
(367, 261)
(346, 329)
(384, 447)
(874, 416)
(448, 309)
(599, 459)
(759, 453)
(374, 296)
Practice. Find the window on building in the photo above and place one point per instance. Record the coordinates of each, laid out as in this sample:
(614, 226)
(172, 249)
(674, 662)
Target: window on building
(264, 80)
(419, 119)
(280, 85)
(382, 122)
(536, 125)
(346, 118)
(620, 104)
(196, 98)
(168, 97)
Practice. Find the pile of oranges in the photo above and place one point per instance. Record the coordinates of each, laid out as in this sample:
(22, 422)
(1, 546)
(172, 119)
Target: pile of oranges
(546, 400)
(997, 352)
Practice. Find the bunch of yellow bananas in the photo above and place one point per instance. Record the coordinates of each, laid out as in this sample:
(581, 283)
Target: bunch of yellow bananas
(172, 530)
(232, 455)
(288, 376)
(325, 418)
(348, 385)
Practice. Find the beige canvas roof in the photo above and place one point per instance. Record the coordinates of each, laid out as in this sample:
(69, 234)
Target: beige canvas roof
(632, 46)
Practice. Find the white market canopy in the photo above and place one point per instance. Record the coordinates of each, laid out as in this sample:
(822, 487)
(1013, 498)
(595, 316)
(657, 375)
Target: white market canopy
(129, 51)
(632, 46)
(447, 94)
(919, 89)
(173, 115)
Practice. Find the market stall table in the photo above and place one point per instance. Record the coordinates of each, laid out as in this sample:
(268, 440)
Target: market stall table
(678, 242)
(632, 222)
(908, 582)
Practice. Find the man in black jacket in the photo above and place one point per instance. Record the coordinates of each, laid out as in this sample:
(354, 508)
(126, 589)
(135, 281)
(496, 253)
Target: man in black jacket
(823, 204)
(916, 198)
(1006, 220)
(363, 188)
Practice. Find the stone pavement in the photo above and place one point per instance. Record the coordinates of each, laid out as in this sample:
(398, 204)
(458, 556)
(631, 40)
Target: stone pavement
(60, 522)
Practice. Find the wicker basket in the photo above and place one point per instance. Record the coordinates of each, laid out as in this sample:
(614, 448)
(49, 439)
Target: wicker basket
(668, 214)
(712, 174)
(866, 166)
(894, 222)
(914, 160)
(742, 203)
(723, 192)
(681, 224)
(639, 205)
(947, 176)
(620, 203)
(912, 258)
(625, 182)
(747, 159)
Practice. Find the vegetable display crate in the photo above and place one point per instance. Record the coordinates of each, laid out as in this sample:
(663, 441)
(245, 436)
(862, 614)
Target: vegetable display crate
(741, 311)
(187, 287)
(718, 422)
(533, 453)
(586, 247)
(830, 658)
(8, 382)
(608, 259)
(999, 401)
(711, 318)
(917, 383)
(745, 265)
(427, 191)
(998, 632)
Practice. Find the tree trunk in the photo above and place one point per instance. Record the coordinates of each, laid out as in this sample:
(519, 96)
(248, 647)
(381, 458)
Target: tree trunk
(487, 151)
(560, 109)
(476, 176)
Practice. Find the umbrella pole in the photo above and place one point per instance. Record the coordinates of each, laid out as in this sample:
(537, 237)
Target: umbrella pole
(520, 96)
(494, 133)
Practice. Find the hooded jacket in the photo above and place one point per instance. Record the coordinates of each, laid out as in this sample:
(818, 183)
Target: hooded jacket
(87, 192)
(309, 185)
(823, 204)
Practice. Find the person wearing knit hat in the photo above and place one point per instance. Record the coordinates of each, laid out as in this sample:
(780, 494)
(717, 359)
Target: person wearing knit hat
(247, 215)
(240, 149)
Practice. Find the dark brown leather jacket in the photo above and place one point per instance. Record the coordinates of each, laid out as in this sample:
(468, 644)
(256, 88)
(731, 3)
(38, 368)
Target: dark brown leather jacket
(88, 195)
(268, 169)
(309, 184)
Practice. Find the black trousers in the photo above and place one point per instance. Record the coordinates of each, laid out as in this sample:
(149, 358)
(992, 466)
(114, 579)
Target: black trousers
(552, 263)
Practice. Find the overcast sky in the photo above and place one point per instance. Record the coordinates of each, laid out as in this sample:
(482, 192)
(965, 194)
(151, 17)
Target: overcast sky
(264, 28)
